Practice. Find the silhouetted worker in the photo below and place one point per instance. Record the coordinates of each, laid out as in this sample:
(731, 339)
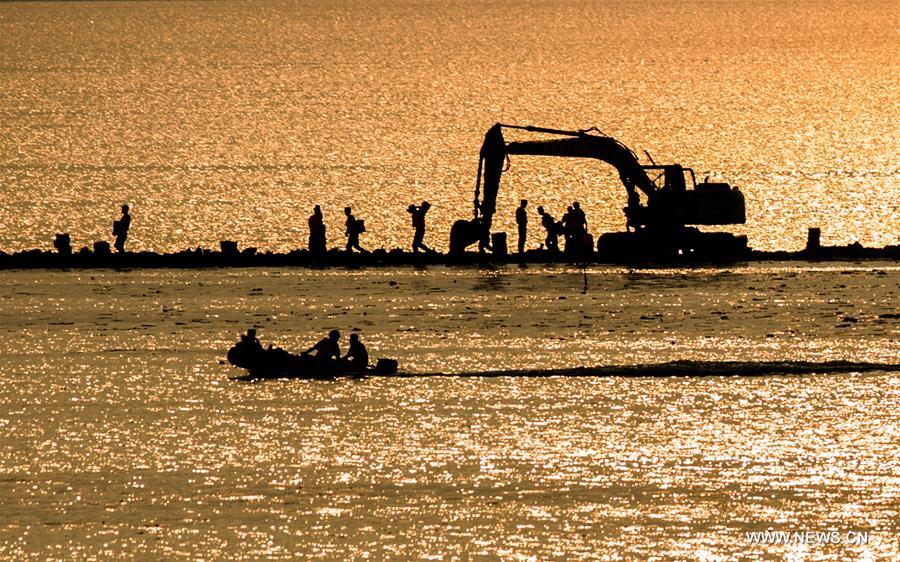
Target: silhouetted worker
(418, 222)
(327, 348)
(522, 223)
(355, 227)
(632, 210)
(549, 224)
(120, 229)
(317, 232)
(580, 238)
(249, 340)
(579, 220)
(357, 357)
(567, 226)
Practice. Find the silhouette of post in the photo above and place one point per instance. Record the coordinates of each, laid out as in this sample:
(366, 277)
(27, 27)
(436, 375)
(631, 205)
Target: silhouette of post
(814, 240)
(63, 244)
(228, 247)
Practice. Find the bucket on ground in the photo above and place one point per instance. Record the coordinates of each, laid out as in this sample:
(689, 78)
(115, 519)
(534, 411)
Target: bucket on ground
(101, 248)
(498, 243)
(229, 247)
(814, 239)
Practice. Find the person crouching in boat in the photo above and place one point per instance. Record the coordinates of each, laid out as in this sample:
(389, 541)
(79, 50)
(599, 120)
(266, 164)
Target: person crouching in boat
(327, 349)
(357, 358)
(250, 343)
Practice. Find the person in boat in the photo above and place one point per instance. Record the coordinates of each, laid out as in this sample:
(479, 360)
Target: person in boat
(327, 349)
(250, 342)
(357, 357)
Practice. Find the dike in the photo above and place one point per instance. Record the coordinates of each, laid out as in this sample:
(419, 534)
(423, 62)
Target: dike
(250, 257)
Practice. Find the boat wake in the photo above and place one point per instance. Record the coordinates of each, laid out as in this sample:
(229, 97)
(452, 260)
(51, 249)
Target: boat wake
(686, 369)
(646, 370)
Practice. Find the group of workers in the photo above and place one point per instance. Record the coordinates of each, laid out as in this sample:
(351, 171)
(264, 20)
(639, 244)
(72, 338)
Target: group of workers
(353, 227)
(572, 226)
(317, 240)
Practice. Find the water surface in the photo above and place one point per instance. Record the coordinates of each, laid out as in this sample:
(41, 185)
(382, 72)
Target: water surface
(122, 433)
(230, 120)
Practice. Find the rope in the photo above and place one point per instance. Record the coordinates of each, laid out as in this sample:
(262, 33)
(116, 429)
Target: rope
(478, 186)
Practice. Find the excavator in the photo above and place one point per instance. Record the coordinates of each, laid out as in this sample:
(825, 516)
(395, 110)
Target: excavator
(660, 205)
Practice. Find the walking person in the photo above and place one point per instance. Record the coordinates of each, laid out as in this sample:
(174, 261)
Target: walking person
(522, 224)
(120, 230)
(418, 223)
(354, 227)
(317, 232)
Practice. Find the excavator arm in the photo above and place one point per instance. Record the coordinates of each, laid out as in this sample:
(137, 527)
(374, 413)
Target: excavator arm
(575, 144)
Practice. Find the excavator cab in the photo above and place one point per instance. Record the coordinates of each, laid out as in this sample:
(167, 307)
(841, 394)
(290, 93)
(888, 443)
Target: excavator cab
(673, 176)
(706, 203)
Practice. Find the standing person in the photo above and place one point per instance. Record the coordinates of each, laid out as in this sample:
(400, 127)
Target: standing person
(522, 223)
(418, 222)
(120, 229)
(354, 227)
(567, 225)
(578, 216)
(579, 229)
(632, 210)
(549, 224)
(317, 232)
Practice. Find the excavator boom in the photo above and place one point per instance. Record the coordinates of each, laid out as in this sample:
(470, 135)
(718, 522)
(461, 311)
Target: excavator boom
(576, 144)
